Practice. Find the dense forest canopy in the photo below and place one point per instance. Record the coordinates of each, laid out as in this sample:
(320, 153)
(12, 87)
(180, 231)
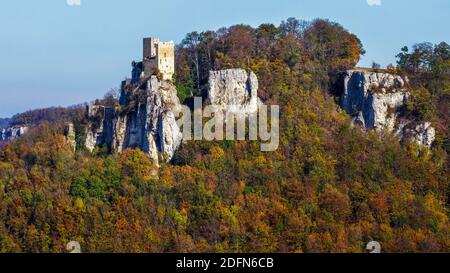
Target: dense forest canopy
(428, 67)
(330, 187)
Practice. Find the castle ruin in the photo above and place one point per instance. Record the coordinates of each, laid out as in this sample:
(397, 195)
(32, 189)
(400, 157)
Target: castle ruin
(158, 59)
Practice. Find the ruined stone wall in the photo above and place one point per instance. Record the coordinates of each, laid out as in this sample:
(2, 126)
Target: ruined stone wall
(149, 48)
(166, 59)
(159, 57)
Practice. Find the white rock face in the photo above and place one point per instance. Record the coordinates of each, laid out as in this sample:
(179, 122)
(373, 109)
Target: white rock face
(170, 134)
(119, 130)
(91, 140)
(147, 123)
(372, 100)
(234, 90)
(70, 135)
(94, 134)
(13, 132)
(162, 135)
(424, 134)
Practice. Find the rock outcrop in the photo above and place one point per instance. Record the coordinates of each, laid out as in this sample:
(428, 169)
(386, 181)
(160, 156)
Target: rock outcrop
(423, 134)
(70, 135)
(145, 120)
(234, 90)
(95, 135)
(8, 134)
(373, 100)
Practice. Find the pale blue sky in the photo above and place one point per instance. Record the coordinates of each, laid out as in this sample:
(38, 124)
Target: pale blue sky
(53, 54)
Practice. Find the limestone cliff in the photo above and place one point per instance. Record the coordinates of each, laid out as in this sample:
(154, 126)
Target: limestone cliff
(144, 120)
(373, 100)
(8, 134)
(70, 135)
(234, 90)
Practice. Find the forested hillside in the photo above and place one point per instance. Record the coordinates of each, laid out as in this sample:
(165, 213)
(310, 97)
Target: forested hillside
(330, 187)
(51, 115)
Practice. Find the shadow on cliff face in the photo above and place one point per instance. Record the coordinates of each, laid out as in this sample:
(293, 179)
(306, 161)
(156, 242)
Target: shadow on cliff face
(337, 85)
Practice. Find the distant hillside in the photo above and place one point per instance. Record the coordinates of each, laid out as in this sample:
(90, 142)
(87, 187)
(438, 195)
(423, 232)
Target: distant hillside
(11, 128)
(4, 122)
(52, 114)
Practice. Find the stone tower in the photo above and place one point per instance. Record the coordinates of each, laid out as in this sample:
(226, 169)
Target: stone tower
(158, 57)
